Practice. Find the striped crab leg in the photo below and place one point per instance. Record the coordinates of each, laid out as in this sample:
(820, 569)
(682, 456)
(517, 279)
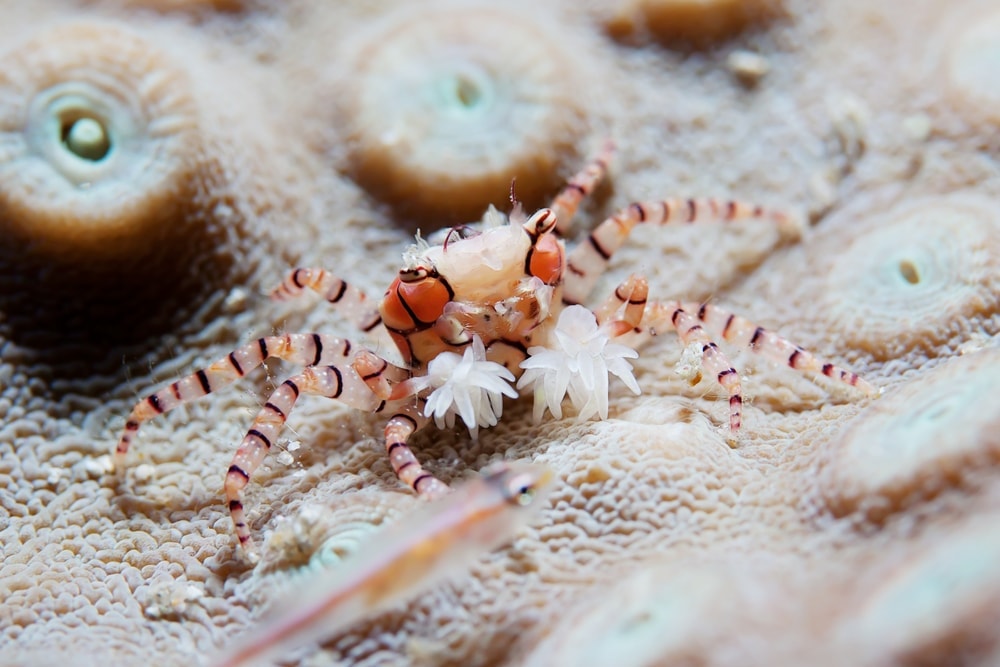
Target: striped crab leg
(303, 349)
(439, 540)
(349, 300)
(328, 374)
(578, 187)
(389, 383)
(338, 382)
(703, 324)
(630, 297)
(587, 261)
(741, 332)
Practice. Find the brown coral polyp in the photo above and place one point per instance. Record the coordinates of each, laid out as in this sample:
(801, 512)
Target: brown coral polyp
(917, 441)
(98, 144)
(697, 21)
(917, 276)
(972, 66)
(102, 206)
(441, 119)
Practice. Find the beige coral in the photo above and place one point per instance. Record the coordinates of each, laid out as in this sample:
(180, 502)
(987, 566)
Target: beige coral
(837, 531)
(99, 143)
(446, 106)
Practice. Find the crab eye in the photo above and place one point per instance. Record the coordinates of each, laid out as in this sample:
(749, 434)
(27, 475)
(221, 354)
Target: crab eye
(541, 222)
(412, 275)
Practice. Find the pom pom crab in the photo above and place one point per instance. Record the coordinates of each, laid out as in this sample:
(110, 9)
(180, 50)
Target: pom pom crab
(485, 309)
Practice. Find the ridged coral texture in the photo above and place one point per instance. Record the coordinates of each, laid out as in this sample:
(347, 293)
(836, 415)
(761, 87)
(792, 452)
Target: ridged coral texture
(164, 163)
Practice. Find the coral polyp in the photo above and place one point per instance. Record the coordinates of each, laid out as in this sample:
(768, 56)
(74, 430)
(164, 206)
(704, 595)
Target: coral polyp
(698, 21)
(441, 120)
(98, 142)
(920, 440)
(972, 67)
(918, 275)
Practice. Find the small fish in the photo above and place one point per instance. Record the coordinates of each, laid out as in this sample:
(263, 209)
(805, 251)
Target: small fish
(439, 540)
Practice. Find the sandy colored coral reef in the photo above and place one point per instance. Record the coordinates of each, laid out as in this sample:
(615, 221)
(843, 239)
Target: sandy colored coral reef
(163, 163)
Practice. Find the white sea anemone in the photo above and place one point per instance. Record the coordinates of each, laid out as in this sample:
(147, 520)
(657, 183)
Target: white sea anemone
(467, 385)
(578, 363)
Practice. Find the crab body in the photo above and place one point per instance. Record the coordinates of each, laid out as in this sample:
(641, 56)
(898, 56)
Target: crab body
(501, 284)
(490, 312)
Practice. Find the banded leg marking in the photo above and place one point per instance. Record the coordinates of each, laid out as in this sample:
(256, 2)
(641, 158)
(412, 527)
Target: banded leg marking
(582, 183)
(632, 295)
(713, 360)
(741, 331)
(302, 349)
(349, 300)
(380, 376)
(404, 463)
(330, 381)
(589, 259)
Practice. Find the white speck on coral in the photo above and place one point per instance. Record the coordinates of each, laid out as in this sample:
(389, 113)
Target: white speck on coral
(171, 598)
(236, 300)
(144, 472)
(467, 385)
(98, 466)
(578, 364)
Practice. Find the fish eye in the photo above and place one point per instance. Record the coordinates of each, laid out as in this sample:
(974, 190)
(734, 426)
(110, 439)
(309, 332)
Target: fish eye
(521, 491)
(525, 494)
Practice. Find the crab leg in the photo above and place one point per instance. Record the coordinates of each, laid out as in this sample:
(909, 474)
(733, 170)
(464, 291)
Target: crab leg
(384, 379)
(587, 261)
(579, 186)
(349, 300)
(713, 360)
(330, 381)
(304, 349)
(744, 333)
(400, 427)
(702, 323)
(630, 294)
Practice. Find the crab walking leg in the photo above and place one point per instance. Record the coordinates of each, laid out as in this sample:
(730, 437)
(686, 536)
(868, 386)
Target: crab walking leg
(587, 261)
(380, 376)
(632, 294)
(400, 427)
(349, 300)
(329, 381)
(440, 540)
(742, 332)
(390, 382)
(579, 186)
(304, 349)
(714, 361)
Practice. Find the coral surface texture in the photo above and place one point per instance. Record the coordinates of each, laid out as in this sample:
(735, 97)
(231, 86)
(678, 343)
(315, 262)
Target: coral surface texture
(165, 163)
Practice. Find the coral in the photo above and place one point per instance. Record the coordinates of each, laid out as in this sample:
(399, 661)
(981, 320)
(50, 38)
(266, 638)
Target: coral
(919, 440)
(918, 275)
(972, 64)
(692, 20)
(835, 531)
(440, 120)
(100, 156)
(98, 144)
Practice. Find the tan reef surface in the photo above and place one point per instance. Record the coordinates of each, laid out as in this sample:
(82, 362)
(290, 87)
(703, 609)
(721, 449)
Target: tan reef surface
(164, 163)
